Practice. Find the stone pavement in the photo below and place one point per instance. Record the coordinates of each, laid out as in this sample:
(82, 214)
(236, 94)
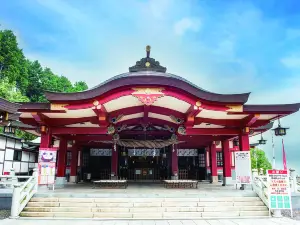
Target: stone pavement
(145, 190)
(267, 221)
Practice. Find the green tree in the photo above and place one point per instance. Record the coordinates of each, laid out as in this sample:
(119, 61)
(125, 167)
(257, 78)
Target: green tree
(22, 80)
(80, 86)
(9, 92)
(259, 160)
(11, 56)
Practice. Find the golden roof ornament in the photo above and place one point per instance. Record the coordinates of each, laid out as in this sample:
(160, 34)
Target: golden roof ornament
(148, 49)
(147, 64)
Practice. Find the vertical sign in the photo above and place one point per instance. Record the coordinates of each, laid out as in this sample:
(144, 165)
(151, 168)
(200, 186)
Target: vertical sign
(243, 167)
(279, 189)
(46, 165)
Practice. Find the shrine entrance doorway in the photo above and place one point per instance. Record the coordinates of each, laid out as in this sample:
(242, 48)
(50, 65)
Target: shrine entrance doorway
(145, 164)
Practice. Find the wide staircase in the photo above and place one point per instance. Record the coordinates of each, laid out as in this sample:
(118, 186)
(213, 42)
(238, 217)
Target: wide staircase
(146, 208)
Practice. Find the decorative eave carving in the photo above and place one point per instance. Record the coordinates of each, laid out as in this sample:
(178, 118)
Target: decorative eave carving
(147, 64)
(148, 95)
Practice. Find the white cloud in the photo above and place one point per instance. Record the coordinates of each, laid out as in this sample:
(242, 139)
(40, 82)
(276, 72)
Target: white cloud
(291, 62)
(186, 24)
(159, 8)
(288, 94)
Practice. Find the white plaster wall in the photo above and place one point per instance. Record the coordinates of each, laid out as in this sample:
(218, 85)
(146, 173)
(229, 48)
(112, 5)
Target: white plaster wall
(1, 169)
(7, 166)
(230, 144)
(18, 145)
(32, 157)
(2, 142)
(9, 154)
(24, 167)
(17, 166)
(10, 143)
(31, 165)
(25, 156)
(2, 156)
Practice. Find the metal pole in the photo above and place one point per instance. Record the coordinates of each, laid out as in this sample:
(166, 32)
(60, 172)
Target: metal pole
(273, 152)
(276, 212)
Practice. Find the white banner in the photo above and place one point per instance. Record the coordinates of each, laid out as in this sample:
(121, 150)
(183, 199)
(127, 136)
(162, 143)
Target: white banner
(187, 152)
(143, 152)
(243, 167)
(46, 165)
(100, 152)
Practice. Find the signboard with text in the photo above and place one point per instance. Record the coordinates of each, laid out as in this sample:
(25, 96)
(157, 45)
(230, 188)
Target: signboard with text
(279, 189)
(243, 167)
(46, 165)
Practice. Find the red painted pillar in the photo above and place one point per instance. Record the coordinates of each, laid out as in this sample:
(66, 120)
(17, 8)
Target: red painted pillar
(244, 142)
(62, 152)
(213, 163)
(174, 163)
(227, 178)
(114, 163)
(74, 163)
(46, 139)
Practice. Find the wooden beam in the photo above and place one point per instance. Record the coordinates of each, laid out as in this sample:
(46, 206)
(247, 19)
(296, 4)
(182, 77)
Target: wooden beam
(192, 112)
(101, 113)
(152, 109)
(250, 120)
(152, 121)
(212, 131)
(40, 118)
(221, 122)
(79, 130)
(146, 112)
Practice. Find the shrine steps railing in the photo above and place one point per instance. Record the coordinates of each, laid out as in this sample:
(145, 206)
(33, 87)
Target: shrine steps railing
(22, 191)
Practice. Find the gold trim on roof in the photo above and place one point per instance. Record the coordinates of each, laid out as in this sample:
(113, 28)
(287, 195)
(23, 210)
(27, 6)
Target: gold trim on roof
(54, 106)
(147, 90)
(235, 108)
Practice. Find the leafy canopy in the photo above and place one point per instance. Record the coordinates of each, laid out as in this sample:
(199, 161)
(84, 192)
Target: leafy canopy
(259, 160)
(23, 80)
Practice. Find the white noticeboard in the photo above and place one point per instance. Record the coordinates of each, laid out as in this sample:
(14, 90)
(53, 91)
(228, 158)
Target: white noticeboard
(243, 167)
(279, 189)
(46, 165)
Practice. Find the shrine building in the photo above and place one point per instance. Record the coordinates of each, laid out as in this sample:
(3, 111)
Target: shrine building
(147, 125)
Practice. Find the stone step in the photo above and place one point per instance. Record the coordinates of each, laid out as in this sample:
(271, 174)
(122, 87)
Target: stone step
(156, 215)
(142, 204)
(126, 200)
(146, 210)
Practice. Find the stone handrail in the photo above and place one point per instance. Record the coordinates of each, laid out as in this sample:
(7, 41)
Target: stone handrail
(22, 193)
(294, 182)
(7, 181)
(259, 185)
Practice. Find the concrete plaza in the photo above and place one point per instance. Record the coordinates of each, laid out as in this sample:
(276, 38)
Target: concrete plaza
(266, 221)
(145, 190)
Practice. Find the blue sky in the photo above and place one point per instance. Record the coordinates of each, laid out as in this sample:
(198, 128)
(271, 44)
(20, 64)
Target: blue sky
(222, 46)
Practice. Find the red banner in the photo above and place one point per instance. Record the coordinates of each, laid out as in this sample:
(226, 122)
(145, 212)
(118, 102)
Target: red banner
(283, 157)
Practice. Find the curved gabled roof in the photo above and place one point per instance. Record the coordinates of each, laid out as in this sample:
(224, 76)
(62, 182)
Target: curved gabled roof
(149, 78)
(8, 106)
